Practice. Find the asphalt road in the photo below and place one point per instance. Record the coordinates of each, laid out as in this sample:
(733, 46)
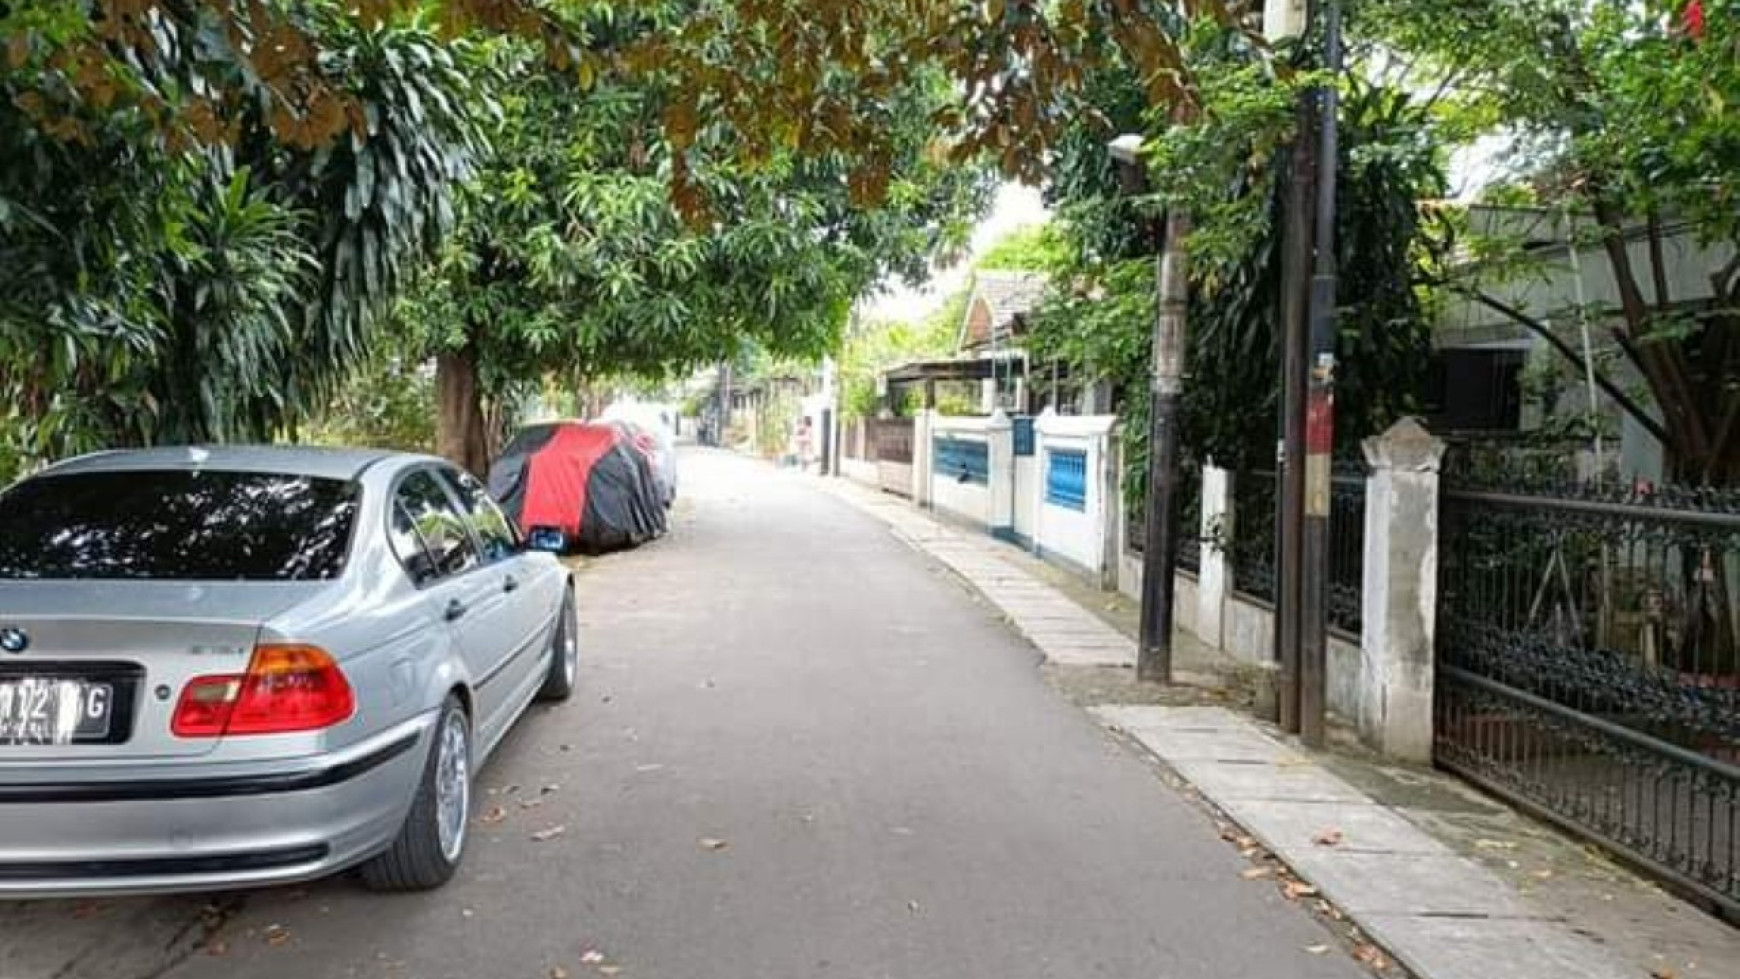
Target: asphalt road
(798, 751)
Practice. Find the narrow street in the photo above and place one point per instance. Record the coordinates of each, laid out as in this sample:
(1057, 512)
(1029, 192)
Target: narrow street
(798, 751)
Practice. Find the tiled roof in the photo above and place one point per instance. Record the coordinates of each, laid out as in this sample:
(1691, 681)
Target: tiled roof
(1005, 296)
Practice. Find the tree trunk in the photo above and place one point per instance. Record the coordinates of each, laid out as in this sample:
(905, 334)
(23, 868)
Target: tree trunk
(461, 432)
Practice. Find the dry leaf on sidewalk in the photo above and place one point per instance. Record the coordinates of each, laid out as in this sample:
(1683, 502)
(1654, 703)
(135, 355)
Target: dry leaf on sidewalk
(1329, 837)
(1372, 956)
(609, 970)
(1257, 873)
(495, 815)
(557, 972)
(546, 835)
(277, 935)
(1494, 845)
(713, 843)
(1293, 890)
(592, 956)
(1317, 949)
(1661, 972)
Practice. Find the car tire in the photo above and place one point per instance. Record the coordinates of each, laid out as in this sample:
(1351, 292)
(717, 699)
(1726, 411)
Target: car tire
(430, 845)
(564, 654)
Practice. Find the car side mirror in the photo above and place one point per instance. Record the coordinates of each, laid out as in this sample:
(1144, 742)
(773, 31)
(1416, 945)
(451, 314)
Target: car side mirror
(549, 539)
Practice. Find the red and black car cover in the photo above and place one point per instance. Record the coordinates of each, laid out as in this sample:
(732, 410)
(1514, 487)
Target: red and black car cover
(588, 480)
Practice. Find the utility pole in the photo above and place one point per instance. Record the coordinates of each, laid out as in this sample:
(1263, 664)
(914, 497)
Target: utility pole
(1320, 409)
(1159, 551)
(1286, 20)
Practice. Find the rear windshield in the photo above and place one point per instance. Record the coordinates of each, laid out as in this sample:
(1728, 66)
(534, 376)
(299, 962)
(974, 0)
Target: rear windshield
(176, 524)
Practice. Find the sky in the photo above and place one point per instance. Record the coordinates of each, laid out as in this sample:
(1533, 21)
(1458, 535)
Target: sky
(1014, 208)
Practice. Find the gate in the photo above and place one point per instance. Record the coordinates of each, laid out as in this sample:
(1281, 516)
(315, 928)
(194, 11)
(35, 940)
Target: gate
(892, 438)
(1587, 668)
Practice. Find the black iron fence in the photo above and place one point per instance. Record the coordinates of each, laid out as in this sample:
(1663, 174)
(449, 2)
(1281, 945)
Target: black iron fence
(1251, 549)
(1588, 667)
(1188, 502)
(1254, 543)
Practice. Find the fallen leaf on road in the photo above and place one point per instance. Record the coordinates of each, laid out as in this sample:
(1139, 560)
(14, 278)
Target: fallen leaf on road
(647, 768)
(531, 803)
(1372, 956)
(1293, 890)
(1256, 873)
(1329, 837)
(1661, 972)
(592, 956)
(1543, 874)
(510, 790)
(712, 843)
(546, 835)
(1494, 845)
(609, 970)
(277, 935)
(495, 815)
(550, 788)
(1245, 842)
(557, 972)
(912, 906)
(1317, 949)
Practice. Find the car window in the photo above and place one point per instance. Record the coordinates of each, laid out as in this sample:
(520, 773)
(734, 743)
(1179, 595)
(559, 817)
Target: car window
(408, 544)
(440, 525)
(500, 540)
(177, 524)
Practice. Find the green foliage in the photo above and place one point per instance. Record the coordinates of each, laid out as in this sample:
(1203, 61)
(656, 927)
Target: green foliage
(1100, 314)
(154, 288)
(1033, 249)
(388, 402)
(1620, 119)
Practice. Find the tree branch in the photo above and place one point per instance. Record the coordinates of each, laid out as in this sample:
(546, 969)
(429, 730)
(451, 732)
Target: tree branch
(1570, 353)
(1657, 263)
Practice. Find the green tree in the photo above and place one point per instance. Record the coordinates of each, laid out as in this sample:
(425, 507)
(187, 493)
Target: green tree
(158, 287)
(1619, 116)
(1100, 311)
(573, 260)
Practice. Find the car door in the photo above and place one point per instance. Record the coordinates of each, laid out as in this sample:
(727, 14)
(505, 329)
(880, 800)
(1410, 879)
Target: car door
(504, 620)
(459, 589)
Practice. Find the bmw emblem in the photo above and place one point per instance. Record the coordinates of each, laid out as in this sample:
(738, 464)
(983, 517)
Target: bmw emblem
(14, 640)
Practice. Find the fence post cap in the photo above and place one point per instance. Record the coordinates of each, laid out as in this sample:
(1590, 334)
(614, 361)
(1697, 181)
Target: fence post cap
(1406, 445)
(999, 419)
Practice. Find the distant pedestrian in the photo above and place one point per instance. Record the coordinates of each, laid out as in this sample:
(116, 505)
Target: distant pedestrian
(803, 444)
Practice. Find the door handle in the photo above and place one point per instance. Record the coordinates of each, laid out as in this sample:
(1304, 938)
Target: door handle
(509, 583)
(455, 609)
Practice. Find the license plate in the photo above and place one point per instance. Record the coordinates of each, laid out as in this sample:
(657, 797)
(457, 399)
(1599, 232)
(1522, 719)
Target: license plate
(54, 710)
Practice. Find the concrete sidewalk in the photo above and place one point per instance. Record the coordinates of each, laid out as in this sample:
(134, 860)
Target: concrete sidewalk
(1460, 890)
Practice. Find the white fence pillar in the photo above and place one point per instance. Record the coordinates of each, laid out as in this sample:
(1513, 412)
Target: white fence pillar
(1401, 592)
(1000, 474)
(1213, 575)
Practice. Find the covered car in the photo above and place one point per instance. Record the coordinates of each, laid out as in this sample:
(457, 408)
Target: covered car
(661, 457)
(587, 479)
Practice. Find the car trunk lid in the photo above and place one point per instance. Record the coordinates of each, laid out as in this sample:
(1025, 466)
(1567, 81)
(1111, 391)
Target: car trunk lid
(137, 642)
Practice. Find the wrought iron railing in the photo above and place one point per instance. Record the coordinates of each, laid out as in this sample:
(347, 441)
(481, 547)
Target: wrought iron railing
(1188, 507)
(1254, 541)
(1251, 548)
(1589, 668)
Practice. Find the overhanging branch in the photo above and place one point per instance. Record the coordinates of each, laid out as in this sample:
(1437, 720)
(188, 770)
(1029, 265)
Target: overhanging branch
(1570, 353)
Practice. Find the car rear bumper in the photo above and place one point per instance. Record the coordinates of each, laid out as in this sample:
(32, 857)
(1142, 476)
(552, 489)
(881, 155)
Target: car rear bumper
(62, 838)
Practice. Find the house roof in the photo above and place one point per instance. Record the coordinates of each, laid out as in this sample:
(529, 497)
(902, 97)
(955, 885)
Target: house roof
(1000, 299)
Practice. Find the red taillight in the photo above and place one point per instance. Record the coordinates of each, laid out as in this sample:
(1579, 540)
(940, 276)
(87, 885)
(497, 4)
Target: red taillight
(286, 688)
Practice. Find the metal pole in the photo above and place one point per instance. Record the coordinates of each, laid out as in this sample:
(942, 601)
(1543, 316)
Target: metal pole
(1290, 477)
(1320, 409)
(1154, 650)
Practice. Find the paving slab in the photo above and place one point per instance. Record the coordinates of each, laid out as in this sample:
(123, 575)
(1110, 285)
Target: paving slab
(1439, 913)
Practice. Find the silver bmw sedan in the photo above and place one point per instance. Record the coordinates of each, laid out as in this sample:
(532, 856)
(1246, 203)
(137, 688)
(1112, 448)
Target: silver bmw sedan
(231, 667)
